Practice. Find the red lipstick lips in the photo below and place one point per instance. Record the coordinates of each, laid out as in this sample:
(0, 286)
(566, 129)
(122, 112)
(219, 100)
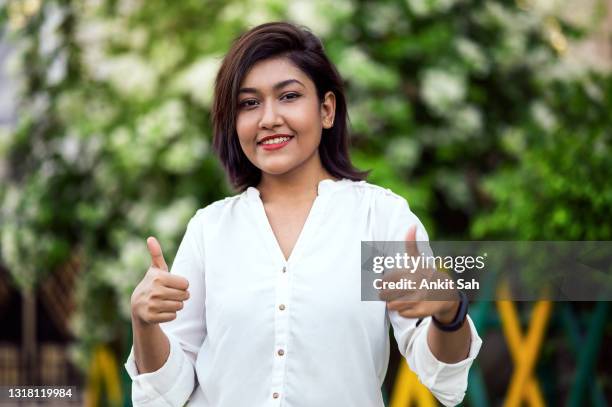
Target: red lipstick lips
(284, 139)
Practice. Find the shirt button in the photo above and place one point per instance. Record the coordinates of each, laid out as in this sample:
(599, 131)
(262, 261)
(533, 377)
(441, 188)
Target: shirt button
(281, 352)
(275, 395)
(281, 307)
(284, 269)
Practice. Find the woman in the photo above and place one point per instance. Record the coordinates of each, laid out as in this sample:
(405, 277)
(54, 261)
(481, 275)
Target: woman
(262, 305)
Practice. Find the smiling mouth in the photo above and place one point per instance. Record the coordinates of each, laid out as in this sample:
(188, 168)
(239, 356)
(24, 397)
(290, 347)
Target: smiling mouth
(275, 140)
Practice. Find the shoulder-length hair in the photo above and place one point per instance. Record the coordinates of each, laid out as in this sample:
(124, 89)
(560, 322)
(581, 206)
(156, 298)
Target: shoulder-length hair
(305, 51)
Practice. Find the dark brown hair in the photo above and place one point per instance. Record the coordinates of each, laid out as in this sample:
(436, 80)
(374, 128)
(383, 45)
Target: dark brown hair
(305, 51)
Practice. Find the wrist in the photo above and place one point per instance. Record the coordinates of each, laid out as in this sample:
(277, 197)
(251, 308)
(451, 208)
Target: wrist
(447, 315)
(458, 319)
(138, 323)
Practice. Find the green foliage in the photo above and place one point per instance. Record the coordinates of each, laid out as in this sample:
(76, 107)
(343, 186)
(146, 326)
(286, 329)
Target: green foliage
(558, 185)
(463, 107)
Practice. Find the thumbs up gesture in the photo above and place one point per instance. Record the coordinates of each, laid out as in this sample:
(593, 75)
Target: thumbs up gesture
(415, 302)
(159, 295)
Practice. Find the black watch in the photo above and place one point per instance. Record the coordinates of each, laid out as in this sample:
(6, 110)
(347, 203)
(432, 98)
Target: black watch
(459, 319)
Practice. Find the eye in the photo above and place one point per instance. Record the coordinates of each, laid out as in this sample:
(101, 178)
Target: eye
(247, 103)
(291, 95)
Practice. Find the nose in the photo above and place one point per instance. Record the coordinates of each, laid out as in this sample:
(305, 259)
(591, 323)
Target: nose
(270, 117)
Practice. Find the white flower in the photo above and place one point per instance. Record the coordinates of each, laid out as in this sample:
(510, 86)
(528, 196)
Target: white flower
(106, 178)
(6, 128)
(69, 147)
(319, 15)
(565, 69)
(94, 32)
(362, 119)
(423, 8)
(513, 140)
(404, 152)
(232, 11)
(19, 246)
(124, 272)
(513, 48)
(137, 38)
(306, 12)
(130, 75)
(166, 55)
(249, 13)
(8, 243)
(91, 148)
(455, 188)
(546, 7)
(91, 58)
(183, 156)
(157, 127)
(48, 169)
(11, 201)
(442, 89)
(594, 91)
(133, 258)
(171, 221)
(356, 65)
(543, 116)
(128, 8)
(198, 79)
(49, 37)
(139, 214)
(39, 105)
(14, 62)
(385, 18)
(57, 70)
(120, 138)
(472, 54)
(582, 14)
(511, 20)
(468, 119)
(257, 15)
(92, 6)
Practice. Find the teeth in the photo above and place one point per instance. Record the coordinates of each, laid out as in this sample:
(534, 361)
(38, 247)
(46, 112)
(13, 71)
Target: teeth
(276, 140)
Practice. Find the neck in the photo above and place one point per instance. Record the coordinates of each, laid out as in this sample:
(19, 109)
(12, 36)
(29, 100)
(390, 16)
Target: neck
(296, 185)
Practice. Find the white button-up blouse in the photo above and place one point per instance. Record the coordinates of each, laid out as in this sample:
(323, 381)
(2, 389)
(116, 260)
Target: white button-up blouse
(262, 330)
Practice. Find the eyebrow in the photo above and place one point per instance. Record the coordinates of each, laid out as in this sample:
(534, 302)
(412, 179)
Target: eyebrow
(277, 86)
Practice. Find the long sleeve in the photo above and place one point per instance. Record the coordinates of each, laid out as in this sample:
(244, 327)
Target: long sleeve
(174, 382)
(447, 382)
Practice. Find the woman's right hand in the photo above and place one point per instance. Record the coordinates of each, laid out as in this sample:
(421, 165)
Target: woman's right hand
(159, 295)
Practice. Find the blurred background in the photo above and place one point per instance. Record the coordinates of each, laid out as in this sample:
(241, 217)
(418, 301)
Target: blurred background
(492, 118)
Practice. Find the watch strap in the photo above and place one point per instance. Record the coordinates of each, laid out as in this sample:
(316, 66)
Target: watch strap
(460, 316)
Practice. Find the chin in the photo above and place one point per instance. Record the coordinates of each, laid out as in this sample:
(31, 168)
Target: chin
(278, 167)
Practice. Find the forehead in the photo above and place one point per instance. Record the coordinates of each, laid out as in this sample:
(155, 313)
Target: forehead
(265, 74)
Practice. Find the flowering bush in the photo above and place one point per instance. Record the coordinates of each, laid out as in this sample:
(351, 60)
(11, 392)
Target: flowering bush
(474, 111)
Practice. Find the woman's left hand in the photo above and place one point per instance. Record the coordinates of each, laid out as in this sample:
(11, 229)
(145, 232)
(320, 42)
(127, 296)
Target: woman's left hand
(419, 302)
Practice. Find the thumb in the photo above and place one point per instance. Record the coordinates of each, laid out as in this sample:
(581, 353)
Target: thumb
(157, 257)
(411, 244)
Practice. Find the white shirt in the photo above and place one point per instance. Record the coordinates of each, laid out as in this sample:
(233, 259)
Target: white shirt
(259, 330)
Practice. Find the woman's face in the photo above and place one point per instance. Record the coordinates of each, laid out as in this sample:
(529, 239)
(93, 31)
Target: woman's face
(280, 119)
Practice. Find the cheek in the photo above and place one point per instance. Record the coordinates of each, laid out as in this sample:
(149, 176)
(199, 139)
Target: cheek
(243, 129)
(306, 120)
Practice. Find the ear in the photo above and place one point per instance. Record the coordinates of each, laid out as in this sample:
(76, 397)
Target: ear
(328, 110)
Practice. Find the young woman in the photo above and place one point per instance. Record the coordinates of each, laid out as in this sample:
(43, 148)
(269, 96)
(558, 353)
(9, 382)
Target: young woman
(262, 305)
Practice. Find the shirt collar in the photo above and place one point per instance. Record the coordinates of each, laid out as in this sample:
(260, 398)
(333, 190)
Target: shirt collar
(325, 187)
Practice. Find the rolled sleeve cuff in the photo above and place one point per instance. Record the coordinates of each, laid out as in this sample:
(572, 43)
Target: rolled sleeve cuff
(447, 381)
(167, 385)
